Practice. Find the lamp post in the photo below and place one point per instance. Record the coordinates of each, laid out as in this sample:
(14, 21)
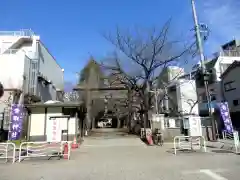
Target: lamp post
(203, 68)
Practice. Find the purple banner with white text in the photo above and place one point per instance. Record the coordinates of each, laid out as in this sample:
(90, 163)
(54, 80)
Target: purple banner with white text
(224, 110)
(17, 115)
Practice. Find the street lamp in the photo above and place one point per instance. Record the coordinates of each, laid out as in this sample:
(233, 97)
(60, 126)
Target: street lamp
(203, 68)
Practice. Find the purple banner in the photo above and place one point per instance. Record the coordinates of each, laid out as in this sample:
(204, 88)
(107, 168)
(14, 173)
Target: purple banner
(17, 114)
(224, 110)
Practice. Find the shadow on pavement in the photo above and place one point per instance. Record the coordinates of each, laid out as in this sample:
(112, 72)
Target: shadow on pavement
(222, 151)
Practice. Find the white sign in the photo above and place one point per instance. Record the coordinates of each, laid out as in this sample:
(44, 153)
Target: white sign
(54, 133)
(195, 127)
(172, 123)
(236, 138)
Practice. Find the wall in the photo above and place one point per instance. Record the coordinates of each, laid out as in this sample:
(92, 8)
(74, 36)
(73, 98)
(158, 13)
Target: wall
(170, 133)
(42, 61)
(6, 41)
(12, 70)
(229, 96)
(48, 65)
(37, 124)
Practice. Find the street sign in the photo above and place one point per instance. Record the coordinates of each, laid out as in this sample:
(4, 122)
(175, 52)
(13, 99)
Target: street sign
(195, 126)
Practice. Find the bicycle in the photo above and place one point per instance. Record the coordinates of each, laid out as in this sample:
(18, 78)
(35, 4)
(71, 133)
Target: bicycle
(159, 138)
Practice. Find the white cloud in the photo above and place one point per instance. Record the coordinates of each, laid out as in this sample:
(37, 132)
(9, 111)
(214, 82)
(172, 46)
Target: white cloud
(223, 19)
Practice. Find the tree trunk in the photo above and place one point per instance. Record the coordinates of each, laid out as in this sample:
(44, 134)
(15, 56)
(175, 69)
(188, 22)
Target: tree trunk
(129, 110)
(88, 116)
(146, 106)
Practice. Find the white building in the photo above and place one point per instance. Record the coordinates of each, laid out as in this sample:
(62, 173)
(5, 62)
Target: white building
(27, 69)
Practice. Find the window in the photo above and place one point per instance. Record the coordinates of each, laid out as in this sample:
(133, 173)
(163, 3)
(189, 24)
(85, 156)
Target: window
(213, 97)
(236, 102)
(229, 86)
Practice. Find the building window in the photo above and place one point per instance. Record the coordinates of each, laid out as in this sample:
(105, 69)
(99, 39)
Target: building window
(236, 102)
(229, 86)
(213, 97)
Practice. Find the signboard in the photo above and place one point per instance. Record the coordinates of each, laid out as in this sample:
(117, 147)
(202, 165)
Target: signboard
(224, 111)
(172, 123)
(195, 126)
(54, 130)
(236, 138)
(17, 115)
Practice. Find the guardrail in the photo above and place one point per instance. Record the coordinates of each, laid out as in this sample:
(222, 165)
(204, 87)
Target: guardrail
(231, 139)
(44, 149)
(188, 143)
(7, 151)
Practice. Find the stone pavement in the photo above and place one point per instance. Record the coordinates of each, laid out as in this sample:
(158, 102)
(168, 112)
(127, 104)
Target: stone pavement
(98, 160)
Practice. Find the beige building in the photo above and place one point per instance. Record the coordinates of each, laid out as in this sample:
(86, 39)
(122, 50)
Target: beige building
(68, 116)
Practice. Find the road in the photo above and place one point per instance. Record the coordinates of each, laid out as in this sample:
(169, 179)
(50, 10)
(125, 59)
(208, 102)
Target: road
(115, 155)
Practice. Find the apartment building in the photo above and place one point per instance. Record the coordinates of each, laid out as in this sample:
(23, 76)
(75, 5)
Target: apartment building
(229, 53)
(183, 93)
(28, 71)
(231, 91)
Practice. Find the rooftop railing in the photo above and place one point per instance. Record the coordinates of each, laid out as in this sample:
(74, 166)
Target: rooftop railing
(25, 32)
(230, 53)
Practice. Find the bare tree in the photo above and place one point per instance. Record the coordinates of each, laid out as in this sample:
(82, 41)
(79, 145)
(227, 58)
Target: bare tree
(141, 57)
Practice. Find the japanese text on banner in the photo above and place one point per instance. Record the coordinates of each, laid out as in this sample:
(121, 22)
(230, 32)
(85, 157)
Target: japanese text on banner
(17, 115)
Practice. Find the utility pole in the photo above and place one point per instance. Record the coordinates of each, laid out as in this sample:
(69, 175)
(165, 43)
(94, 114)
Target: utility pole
(200, 49)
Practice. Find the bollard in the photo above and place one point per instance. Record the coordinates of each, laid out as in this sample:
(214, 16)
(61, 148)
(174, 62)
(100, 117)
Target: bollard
(65, 151)
(150, 140)
(74, 144)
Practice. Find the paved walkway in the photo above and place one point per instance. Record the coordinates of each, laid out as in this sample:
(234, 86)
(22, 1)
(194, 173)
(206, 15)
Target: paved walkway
(101, 158)
(111, 137)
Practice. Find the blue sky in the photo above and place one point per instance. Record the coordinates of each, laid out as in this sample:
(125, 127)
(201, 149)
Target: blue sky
(72, 29)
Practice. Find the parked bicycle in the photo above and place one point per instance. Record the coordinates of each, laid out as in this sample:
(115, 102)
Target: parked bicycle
(158, 137)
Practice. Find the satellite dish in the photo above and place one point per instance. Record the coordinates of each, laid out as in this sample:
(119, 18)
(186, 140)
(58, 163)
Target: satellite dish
(1, 90)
